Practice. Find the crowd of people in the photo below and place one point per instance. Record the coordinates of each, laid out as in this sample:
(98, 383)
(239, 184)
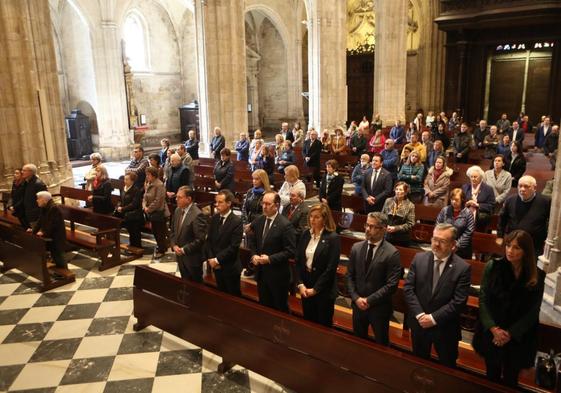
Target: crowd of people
(395, 172)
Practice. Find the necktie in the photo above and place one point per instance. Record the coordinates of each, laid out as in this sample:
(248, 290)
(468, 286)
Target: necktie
(374, 179)
(183, 214)
(369, 256)
(267, 226)
(436, 273)
(290, 211)
(222, 219)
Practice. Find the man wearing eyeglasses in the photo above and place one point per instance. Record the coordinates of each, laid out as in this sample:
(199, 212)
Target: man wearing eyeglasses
(372, 278)
(436, 291)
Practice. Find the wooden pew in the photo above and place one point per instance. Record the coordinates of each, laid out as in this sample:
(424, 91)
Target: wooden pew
(353, 202)
(305, 355)
(79, 194)
(27, 253)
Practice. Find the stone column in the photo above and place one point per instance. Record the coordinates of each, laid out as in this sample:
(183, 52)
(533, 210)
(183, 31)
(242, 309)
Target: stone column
(222, 68)
(32, 126)
(327, 63)
(390, 59)
(114, 135)
(253, 91)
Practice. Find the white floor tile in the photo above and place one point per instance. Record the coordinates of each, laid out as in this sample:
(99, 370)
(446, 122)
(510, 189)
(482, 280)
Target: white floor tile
(69, 287)
(88, 296)
(17, 353)
(122, 281)
(7, 289)
(138, 365)
(19, 301)
(91, 387)
(115, 309)
(97, 346)
(173, 343)
(42, 314)
(210, 361)
(40, 375)
(68, 329)
(190, 383)
(5, 330)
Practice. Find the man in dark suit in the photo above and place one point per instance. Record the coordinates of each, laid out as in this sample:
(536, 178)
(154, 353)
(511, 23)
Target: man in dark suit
(436, 291)
(271, 244)
(32, 185)
(542, 133)
(297, 212)
(222, 246)
(376, 185)
(312, 156)
(188, 233)
(373, 275)
(286, 133)
(516, 133)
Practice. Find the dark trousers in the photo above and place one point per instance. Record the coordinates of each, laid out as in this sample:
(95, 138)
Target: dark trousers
(496, 368)
(58, 258)
(274, 295)
(424, 339)
(189, 272)
(482, 222)
(228, 282)
(316, 175)
(380, 324)
(134, 228)
(160, 231)
(319, 309)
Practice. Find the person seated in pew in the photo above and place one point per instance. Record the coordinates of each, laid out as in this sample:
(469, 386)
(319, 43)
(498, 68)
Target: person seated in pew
(188, 234)
(101, 193)
(437, 183)
(15, 204)
(504, 146)
(377, 142)
(217, 143)
(156, 210)
(339, 143)
(480, 198)
(499, 179)
(272, 242)
(130, 210)
(331, 186)
(516, 162)
(353, 127)
(317, 257)
(297, 212)
(242, 148)
(178, 176)
(279, 145)
(50, 225)
(491, 143)
(390, 158)
(224, 172)
(436, 291)
(255, 156)
(372, 278)
(405, 154)
(358, 172)
(397, 133)
(222, 246)
(192, 147)
(401, 216)
(417, 146)
(154, 160)
(291, 182)
(509, 307)
(95, 159)
(461, 217)
(413, 173)
(286, 158)
(31, 185)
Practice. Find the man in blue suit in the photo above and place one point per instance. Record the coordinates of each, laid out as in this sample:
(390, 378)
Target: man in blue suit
(542, 132)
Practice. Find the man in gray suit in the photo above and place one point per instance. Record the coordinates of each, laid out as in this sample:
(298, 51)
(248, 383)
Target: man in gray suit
(373, 275)
(297, 212)
(188, 232)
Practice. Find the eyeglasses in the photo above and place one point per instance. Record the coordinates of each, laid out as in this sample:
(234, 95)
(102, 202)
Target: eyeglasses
(372, 226)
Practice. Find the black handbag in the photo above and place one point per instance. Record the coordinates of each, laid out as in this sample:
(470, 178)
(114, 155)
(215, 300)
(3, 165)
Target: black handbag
(546, 371)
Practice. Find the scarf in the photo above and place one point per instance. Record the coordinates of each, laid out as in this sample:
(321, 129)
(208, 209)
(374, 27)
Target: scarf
(96, 182)
(436, 174)
(258, 190)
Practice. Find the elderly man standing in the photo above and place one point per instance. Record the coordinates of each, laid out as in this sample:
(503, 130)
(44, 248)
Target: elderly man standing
(32, 185)
(138, 165)
(178, 176)
(313, 155)
(297, 211)
(529, 210)
(286, 133)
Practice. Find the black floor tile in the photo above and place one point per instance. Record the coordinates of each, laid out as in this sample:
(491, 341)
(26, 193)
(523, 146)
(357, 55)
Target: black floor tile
(143, 385)
(2, 298)
(28, 287)
(126, 270)
(236, 381)
(96, 283)
(8, 375)
(141, 342)
(179, 362)
(39, 390)
(54, 299)
(79, 272)
(12, 278)
(107, 326)
(28, 332)
(88, 370)
(11, 317)
(79, 311)
(56, 350)
(115, 294)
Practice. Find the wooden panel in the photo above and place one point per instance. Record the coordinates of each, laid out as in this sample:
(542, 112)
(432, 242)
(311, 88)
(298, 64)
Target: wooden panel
(360, 84)
(537, 96)
(507, 83)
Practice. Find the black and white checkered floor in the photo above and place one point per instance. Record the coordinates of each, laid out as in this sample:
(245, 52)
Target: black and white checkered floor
(79, 338)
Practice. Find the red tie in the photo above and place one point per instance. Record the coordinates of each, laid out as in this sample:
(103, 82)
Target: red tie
(290, 211)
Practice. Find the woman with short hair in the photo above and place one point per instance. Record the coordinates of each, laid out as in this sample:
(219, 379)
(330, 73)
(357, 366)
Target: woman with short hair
(401, 216)
(339, 143)
(101, 192)
(291, 182)
(95, 159)
(331, 186)
(499, 179)
(224, 171)
(130, 209)
(480, 198)
(457, 214)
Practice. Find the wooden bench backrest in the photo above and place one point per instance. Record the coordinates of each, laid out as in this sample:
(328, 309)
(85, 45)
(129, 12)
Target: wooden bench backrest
(86, 217)
(82, 195)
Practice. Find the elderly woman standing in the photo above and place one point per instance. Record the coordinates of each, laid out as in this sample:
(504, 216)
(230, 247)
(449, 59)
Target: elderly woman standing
(480, 198)
(437, 183)
(257, 137)
(101, 193)
(89, 177)
(298, 135)
(156, 210)
(499, 179)
(339, 143)
(291, 182)
(412, 173)
(287, 157)
(130, 210)
(325, 141)
(401, 216)
(192, 147)
(461, 217)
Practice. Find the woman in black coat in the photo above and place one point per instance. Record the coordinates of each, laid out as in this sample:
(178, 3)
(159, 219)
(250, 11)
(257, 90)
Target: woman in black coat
(317, 257)
(16, 197)
(509, 307)
(224, 172)
(331, 186)
(130, 210)
(516, 162)
(101, 193)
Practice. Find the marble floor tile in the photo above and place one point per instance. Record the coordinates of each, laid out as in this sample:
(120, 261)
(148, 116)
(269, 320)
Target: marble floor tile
(123, 281)
(12, 277)
(8, 375)
(8, 289)
(179, 362)
(53, 299)
(132, 366)
(141, 342)
(28, 332)
(88, 296)
(5, 330)
(234, 381)
(96, 283)
(19, 301)
(69, 329)
(115, 309)
(126, 270)
(39, 390)
(88, 370)
(40, 375)
(96, 273)
(143, 385)
(79, 311)
(91, 387)
(173, 343)
(68, 287)
(190, 383)
(56, 350)
(42, 314)
(115, 294)
(97, 346)
(17, 353)
(11, 317)
(79, 272)
(210, 361)
(108, 326)
(28, 286)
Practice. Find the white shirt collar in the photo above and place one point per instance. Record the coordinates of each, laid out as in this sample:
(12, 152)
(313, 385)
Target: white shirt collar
(227, 214)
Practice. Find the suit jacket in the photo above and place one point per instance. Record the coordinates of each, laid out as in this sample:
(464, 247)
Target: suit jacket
(333, 193)
(381, 190)
(324, 264)
(224, 174)
(51, 223)
(314, 152)
(31, 187)
(279, 245)
(540, 137)
(485, 198)
(216, 144)
(519, 134)
(223, 243)
(298, 219)
(190, 236)
(380, 281)
(447, 301)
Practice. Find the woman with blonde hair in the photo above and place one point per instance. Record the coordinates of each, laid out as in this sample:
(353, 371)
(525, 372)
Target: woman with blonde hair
(317, 257)
(95, 159)
(101, 192)
(251, 207)
(291, 182)
(325, 141)
(412, 173)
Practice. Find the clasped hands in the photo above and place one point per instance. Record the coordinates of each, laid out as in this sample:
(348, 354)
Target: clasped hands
(260, 259)
(362, 303)
(425, 321)
(306, 292)
(500, 336)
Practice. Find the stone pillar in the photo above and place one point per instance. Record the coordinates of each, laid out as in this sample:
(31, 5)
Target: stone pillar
(253, 92)
(390, 59)
(222, 68)
(327, 64)
(114, 135)
(32, 126)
